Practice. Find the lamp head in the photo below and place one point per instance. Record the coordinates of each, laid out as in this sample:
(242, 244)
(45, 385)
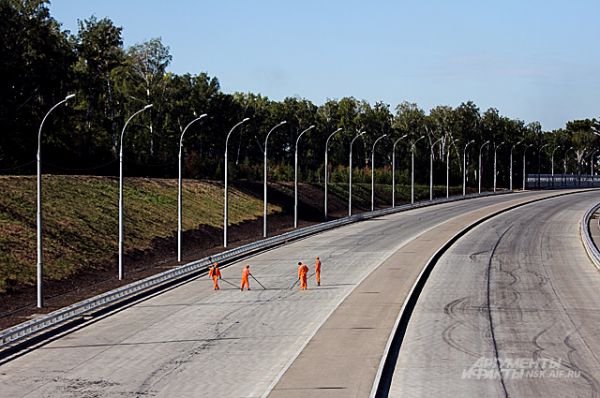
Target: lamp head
(68, 97)
(148, 106)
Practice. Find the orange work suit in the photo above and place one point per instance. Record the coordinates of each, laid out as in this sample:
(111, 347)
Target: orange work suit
(302, 274)
(318, 272)
(215, 273)
(245, 281)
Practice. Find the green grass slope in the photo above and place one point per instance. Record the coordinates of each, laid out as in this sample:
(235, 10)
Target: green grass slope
(81, 224)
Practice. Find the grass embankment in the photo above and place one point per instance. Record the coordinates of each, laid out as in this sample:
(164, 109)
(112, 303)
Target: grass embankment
(361, 193)
(81, 224)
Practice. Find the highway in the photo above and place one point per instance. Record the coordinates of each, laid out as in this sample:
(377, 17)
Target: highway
(512, 309)
(193, 342)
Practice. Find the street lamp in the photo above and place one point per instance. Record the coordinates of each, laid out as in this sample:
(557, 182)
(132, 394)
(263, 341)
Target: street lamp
(495, 155)
(511, 165)
(265, 178)
(40, 259)
(121, 189)
(179, 189)
(226, 193)
(412, 169)
(394, 169)
(592, 163)
(479, 174)
(350, 174)
(565, 162)
(373, 172)
(524, 165)
(552, 161)
(431, 168)
(296, 176)
(465, 166)
(539, 164)
(448, 168)
(565, 167)
(326, 168)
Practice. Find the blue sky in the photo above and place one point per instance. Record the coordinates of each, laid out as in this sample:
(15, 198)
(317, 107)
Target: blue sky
(530, 59)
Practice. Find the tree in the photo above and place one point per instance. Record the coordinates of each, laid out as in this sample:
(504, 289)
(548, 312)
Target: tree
(100, 53)
(148, 67)
(37, 58)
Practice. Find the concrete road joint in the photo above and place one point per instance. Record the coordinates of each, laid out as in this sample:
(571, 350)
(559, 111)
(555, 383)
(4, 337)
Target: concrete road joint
(335, 307)
(586, 236)
(385, 371)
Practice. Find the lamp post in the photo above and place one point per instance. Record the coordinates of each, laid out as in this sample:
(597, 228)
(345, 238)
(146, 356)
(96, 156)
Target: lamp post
(431, 168)
(448, 173)
(40, 258)
(350, 173)
(325, 206)
(579, 162)
(552, 161)
(591, 179)
(479, 174)
(511, 164)
(539, 184)
(179, 189)
(394, 169)
(524, 165)
(412, 169)
(373, 171)
(565, 167)
(226, 192)
(265, 178)
(495, 157)
(121, 189)
(448, 168)
(465, 166)
(296, 176)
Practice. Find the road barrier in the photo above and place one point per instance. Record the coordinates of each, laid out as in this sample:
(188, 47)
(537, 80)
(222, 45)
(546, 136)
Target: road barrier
(47, 323)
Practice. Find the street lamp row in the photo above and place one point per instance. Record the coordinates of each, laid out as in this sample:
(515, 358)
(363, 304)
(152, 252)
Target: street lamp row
(265, 172)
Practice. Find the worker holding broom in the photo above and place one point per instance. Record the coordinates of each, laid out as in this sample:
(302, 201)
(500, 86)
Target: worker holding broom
(215, 273)
(318, 271)
(245, 275)
(302, 275)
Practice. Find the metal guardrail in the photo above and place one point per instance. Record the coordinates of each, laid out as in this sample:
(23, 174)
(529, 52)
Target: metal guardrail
(44, 323)
(586, 236)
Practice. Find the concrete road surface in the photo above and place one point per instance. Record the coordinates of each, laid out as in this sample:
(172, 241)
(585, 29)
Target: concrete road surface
(194, 342)
(512, 309)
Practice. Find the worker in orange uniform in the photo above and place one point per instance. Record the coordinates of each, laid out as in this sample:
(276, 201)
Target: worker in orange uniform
(215, 273)
(245, 275)
(318, 271)
(302, 274)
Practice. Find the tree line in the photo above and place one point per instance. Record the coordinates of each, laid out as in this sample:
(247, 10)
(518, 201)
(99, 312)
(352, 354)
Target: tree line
(41, 63)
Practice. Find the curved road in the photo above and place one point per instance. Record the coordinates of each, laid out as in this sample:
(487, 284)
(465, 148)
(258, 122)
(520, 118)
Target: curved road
(512, 309)
(194, 342)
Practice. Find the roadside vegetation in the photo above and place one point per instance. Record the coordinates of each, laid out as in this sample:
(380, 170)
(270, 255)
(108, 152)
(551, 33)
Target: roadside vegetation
(80, 220)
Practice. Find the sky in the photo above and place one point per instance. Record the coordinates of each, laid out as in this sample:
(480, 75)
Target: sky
(532, 60)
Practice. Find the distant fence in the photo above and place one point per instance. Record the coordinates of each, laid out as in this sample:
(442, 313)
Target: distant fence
(556, 181)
